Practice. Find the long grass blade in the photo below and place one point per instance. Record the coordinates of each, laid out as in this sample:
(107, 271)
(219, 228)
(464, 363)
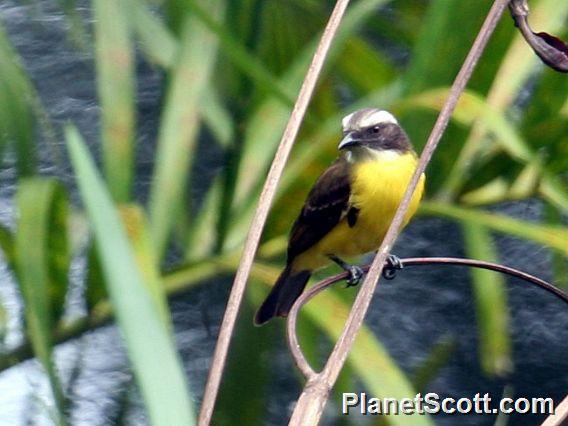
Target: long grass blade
(179, 125)
(559, 263)
(138, 232)
(157, 43)
(491, 304)
(41, 261)
(17, 121)
(116, 84)
(551, 236)
(77, 28)
(149, 343)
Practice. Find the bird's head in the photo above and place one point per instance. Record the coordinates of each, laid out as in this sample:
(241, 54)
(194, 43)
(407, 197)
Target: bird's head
(370, 132)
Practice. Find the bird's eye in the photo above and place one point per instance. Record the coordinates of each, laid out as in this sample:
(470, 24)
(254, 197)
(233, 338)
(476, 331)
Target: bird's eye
(374, 129)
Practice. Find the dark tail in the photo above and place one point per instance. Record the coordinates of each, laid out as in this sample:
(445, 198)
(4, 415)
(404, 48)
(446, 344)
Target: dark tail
(287, 289)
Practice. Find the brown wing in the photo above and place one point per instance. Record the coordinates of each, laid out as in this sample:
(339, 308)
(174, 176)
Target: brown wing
(327, 203)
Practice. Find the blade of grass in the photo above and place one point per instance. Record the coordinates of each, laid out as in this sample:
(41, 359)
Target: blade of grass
(157, 43)
(7, 245)
(201, 238)
(253, 347)
(249, 64)
(551, 236)
(179, 125)
(492, 192)
(17, 121)
(3, 325)
(438, 357)
(559, 263)
(149, 343)
(490, 302)
(160, 46)
(138, 232)
(116, 85)
(38, 258)
(554, 192)
(76, 27)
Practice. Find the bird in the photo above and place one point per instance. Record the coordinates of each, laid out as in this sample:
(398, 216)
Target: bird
(350, 207)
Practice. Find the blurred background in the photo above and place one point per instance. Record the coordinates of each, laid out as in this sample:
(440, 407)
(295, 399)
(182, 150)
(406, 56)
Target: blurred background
(180, 105)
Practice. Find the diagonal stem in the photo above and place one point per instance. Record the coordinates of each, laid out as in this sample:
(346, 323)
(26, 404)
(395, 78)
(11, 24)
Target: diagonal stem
(257, 225)
(312, 401)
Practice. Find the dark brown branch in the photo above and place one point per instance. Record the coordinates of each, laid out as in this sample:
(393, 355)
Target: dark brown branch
(551, 50)
(310, 405)
(294, 346)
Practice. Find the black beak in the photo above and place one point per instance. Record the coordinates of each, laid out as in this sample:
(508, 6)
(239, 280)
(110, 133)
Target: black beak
(350, 139)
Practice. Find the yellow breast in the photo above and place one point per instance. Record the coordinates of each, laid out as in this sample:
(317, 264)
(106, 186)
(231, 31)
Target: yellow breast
(377, 187)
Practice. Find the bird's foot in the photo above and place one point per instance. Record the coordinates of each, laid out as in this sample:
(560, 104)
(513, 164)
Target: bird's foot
(393, 264)
(355, 272)
(355, 276)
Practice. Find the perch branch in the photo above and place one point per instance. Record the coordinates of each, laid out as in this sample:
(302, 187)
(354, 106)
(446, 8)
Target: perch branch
(257, 225)
(310, 405)
(294, 345)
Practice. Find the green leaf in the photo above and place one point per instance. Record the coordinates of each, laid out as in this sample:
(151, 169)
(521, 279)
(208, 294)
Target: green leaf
(559, 262)
(179, 125)
(438, 357)
(247, 373)
(552, 236)
(3, 325)
(149, 342)
(76, 27)
(7, 245)
(95, 290)
(491, 303)
(17, 121)
(201, 237)
(138, 232)
(116, 84)
(364, 61)
(41, 262)
(44, 202)
(160, 46)
(157, 43)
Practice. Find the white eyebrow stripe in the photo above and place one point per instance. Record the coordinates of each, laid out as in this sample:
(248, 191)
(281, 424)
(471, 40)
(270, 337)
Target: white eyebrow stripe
(346, 120)
(377, 117)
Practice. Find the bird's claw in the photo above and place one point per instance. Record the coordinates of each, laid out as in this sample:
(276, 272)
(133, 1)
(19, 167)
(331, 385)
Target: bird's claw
(355, 275)
(393, 264)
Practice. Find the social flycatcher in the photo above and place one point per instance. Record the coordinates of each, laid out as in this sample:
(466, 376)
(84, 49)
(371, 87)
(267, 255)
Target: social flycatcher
(350, 207)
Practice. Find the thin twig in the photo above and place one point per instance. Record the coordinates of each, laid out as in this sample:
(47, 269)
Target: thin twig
(310, 405)
(257, 225)
(559, 416)
(305, 297)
